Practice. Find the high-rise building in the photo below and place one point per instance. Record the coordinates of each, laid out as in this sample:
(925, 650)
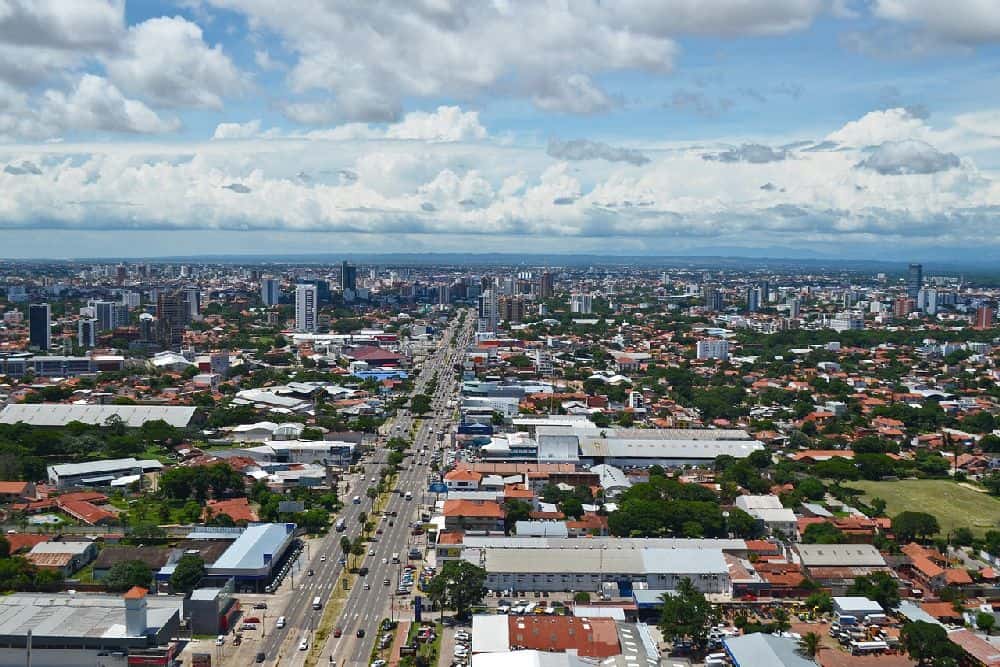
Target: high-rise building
(306, 307)
(927, 300)
(511, 309)
(846, 321)
(753, 299)
(546, 285)
(712, 298)
(86, 332)
(120, 274)
(984, 317)
(711, 348)
(109, 315)
(902, 306)
(443, 295)
(131, 299)
(171, 317)
(581, 303)
(270, 291)
(40, 326)
(764, 288)
(192, 298)
(794, 308)
(489, 312)
(348, 276)
(914, 281)
(147, 328)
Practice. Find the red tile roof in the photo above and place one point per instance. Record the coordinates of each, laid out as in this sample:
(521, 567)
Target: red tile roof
(473, 508)
(591, 637)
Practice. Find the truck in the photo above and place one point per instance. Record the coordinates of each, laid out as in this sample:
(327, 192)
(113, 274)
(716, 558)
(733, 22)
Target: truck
(341, 525)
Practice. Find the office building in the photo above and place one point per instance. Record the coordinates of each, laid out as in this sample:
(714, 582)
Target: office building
(192, 300)
(713, 349)
(546, 285)
(928, 300)
(443, 295)
(581, 303)
(794, 308)
(753, 299)
(902, 306)
(109, 315)
(914, 281)
(86, 332)
(270, 291)
(511, 309)
(306, 307)
(39, 326)
(171, 318)
(131, 299)
(348, 276)
(847, 321)
(984, 317)
(489, 312)
(712, 298)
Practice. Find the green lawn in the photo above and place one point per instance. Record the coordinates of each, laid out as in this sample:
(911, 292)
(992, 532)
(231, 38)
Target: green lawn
(953, 505)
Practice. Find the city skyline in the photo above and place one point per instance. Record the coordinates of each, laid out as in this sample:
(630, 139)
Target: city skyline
(850, 129)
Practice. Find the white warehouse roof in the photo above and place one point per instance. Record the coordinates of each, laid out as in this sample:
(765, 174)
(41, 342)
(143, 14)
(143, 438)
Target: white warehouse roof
(61, 414)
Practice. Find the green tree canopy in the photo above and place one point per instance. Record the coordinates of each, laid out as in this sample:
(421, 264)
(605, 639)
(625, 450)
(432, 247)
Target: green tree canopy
(126, 574)
(189, 571)
(686, 615)
(914, 525)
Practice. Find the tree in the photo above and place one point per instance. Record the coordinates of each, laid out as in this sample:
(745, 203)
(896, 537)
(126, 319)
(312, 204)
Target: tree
(744, 525)
(821, 601)
(985, 621)
(811, 488)
(420, 404)
(345, 544)
(914, 525)
(686, 615)
(810, 644)
(927, 642)
(878, 586)
(126, 574)
(782, 620)
(461, 585)
(823, 533)
(515, 510)
(189, 571)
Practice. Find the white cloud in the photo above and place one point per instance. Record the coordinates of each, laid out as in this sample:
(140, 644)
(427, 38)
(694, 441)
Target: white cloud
(907, 157)
(167, 61)
(962, 21)
(62, 24)
(548, 52)
(878, 127)
(96, 104)
(445, 124)
(237, 130)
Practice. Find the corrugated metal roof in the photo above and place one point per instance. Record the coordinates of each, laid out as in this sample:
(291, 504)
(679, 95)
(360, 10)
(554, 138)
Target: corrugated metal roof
(60, 414)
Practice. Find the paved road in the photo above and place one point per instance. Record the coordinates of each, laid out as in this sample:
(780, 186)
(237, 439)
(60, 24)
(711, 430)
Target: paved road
(365, 608)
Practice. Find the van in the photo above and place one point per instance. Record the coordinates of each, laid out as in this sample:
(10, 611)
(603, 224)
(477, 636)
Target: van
(281, 622)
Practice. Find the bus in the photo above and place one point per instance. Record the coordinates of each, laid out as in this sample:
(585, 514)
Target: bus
(341, 526)
(317, 603)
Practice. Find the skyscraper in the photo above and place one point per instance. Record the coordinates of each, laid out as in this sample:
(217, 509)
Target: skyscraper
(914, 281)
(171, 318)
(270, 291)
(984, 317)
(109, 315)
(546, 285)
(192, 299)
(713, 298)
(489, 312)
(348, 276)
(86, 329)
(40, 326)
(581, 303)
(753, 299)
(306, 307)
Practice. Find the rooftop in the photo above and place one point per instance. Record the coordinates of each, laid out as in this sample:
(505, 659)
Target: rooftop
(60, 414)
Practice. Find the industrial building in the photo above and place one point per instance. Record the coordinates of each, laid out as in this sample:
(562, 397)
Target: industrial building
(65, 629)
(98, 473)
(61, 414)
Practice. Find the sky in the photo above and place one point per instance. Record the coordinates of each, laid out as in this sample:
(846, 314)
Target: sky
(788, 128)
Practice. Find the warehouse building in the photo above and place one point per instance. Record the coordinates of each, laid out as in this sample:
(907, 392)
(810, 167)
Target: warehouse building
(569, 569)
(99, 473)
(83, 629)
(61, 414)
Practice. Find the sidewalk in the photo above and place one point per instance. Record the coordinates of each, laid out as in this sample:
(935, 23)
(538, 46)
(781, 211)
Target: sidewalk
(402, 630)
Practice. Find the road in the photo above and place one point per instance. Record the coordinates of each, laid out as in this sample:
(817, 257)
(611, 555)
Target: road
(365, 608)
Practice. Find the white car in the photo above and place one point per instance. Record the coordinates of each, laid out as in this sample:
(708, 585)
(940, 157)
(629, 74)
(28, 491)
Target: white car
(371, 552)
(385, 561)
(304, 644)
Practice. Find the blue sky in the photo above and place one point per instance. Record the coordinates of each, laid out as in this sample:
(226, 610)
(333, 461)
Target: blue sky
(859, 128)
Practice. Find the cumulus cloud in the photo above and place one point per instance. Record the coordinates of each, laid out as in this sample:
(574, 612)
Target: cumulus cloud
(25, 168)
(57, 24)
(448, 123)
(237, 130)
(550, 53)
(97, 104)
(877, 127)
(751, 153)
(167, 61)
(962, 21)
(583, 149)
(911, 156)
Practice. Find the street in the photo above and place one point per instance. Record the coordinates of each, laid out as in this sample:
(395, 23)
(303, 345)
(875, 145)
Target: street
(364, 609)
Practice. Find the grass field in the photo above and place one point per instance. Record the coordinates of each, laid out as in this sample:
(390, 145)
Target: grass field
(953, 505)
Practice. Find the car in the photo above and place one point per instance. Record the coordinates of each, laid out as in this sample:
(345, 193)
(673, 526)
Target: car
(386, 582)
(322, 558)
(304, 644)
(363, 571)
(220, 640)
(261, 657)
(309, 572)
(368, 586)
(281, 622)
(361, 633)
(385, 561)
(371, 552)
(260, 605)
(337, 631)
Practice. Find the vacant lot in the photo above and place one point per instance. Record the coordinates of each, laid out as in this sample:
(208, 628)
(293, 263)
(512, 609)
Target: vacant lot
(953, 505)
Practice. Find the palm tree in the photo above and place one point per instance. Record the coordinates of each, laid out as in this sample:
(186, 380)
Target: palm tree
(810, 644)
